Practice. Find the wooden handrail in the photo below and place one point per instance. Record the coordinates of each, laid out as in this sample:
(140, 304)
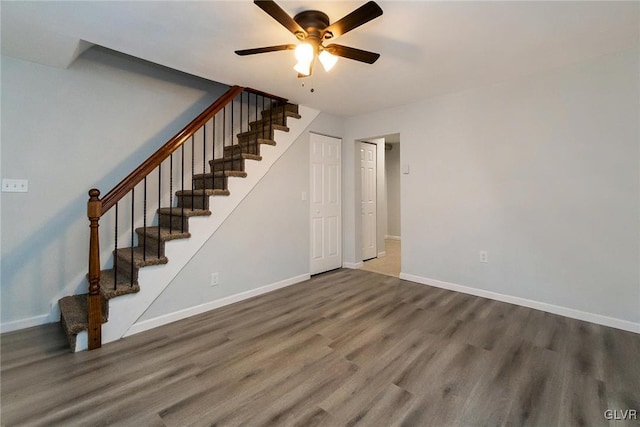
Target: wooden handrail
(123, 188)
(266, 94)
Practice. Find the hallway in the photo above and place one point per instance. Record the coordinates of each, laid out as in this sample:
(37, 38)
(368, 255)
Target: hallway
(388, 264)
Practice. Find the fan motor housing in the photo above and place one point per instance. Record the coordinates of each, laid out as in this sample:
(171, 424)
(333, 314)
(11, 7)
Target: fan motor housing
(314, 23)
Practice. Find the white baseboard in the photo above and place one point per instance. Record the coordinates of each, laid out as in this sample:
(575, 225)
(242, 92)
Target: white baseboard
(202, 308)
(25, 323)
(389, 237)
(352, 265)
(549, 308)
(381, 254)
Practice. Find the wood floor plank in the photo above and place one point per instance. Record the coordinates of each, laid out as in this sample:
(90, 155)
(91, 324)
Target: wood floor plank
(347, 347)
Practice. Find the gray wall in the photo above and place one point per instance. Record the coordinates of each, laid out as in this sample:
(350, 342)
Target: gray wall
(264, 241)
(68, 130)
(392, 165)
(543, 173)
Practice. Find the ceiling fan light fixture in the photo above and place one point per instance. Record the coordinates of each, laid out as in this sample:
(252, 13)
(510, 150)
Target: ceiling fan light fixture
(304, 53)
(327, 60)
(303, 68)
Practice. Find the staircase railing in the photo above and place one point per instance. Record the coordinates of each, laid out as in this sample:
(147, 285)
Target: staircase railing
(201, 141)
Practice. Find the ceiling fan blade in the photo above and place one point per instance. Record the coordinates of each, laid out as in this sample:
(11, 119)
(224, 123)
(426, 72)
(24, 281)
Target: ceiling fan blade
(265, 49)
(361, 15)
(276, 12)
(353, 53)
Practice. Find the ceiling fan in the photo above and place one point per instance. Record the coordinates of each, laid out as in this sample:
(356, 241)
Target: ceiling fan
(312, 28)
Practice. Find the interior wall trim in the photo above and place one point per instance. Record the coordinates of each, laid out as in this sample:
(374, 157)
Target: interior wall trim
(549, 308)
(145, 325)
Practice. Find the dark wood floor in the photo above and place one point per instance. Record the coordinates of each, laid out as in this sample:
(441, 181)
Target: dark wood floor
(346, 348)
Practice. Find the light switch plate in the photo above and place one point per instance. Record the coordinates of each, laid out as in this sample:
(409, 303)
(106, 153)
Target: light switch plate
(15, 185)
(405, 169)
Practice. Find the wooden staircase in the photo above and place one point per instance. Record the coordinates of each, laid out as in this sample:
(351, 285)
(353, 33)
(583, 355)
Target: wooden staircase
(172, 222)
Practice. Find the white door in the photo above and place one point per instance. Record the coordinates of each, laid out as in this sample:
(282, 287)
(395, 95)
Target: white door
(368, 174)
(325, 201)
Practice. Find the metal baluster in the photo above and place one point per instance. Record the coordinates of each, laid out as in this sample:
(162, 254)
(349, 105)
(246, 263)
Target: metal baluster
(213, 150)
(159, 201)
(224, 140)
(170, 192)
(193, 169)
(263, 126)
(144, 222)
(233, 107)
(204, 159)
(182, 208)
(115, 253)
(132, 233)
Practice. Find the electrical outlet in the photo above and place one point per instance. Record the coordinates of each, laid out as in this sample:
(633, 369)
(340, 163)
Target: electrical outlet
(15, 185)
(214, 279)
(484, 257)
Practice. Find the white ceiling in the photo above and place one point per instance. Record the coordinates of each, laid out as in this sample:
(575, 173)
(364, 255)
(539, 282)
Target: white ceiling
(427, 48)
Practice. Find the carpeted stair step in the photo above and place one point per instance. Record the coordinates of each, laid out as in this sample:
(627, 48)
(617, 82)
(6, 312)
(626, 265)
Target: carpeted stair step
(233, 163)
(249, 147)
(198, 199)
(266, 125)
(123, 285)
(74, 317)
(278, 117)
(153, 238)
(216, 180)
(136, 258)
(291, 110)
(266, 132)
(178, 218)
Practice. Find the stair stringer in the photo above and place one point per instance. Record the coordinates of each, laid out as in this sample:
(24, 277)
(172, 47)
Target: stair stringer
(125, 310)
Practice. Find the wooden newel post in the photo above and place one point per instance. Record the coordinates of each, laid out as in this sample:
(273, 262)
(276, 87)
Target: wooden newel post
(94, 211)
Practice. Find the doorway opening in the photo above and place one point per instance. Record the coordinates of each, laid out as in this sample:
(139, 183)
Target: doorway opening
(387, 257)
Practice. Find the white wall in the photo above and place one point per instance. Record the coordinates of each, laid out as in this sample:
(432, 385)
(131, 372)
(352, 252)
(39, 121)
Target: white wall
(392, 167)
(68, 130)
(543, 173)
(264, 241)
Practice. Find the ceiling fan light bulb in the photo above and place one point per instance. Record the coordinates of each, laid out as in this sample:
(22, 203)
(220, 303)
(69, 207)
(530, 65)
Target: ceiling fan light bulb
(327, 60)
(304, 53)
(303, 68)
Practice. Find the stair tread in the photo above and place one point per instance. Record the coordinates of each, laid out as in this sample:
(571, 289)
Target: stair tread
(238, 156)
(185, 212)
(237, 174)
(139, 259)
(288, 113)
(123, 286)
(165, 233)
(261, 131)
(263, 141)
(74, 311)
(207, 192)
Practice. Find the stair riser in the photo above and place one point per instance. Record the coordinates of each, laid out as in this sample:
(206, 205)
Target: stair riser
(227, 164)
(215, 183)
(151, 246)
(193, 202)
(252, 137)
(291, 108)
(175, 222)
(251, 148)
(265, 125)
(278, 117)
(124, 270)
